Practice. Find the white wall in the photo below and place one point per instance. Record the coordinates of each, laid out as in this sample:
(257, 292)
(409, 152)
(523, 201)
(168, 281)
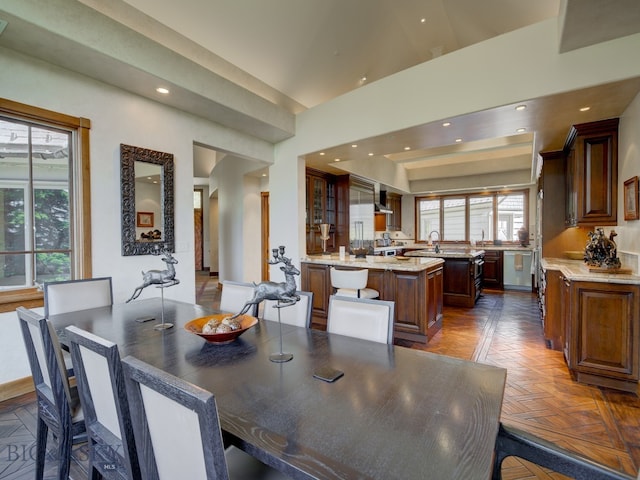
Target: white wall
(119, 117)
(628, 238)
(504, 70)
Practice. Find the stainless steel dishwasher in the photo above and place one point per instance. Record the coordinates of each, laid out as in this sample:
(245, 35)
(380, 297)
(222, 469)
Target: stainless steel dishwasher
(517, 269)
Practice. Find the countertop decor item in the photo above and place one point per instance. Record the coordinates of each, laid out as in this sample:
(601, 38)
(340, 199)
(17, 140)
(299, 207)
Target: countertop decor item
(602, 252)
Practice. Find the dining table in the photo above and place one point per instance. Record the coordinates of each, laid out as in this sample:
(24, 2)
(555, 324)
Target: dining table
(396, 413)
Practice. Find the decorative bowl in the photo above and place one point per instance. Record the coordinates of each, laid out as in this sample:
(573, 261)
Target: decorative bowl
(195, 326)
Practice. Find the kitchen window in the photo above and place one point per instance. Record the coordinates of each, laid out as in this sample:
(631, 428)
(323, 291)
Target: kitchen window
(472, 217)
(44, 198)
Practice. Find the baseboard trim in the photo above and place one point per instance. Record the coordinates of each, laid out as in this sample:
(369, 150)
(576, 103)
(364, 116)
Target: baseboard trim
(15, 388)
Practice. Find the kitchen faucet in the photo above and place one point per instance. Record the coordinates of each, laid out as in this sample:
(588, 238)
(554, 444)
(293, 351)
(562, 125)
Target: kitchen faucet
(437, 246)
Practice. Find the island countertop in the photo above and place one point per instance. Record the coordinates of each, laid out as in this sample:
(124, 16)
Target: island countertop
(447, 253)
(405, 264)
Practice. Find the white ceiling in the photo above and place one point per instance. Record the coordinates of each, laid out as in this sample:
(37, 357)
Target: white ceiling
(315, 50)
(295, 54)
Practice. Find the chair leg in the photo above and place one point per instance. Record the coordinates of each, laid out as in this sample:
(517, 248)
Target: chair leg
(64, 452)
(42, 430)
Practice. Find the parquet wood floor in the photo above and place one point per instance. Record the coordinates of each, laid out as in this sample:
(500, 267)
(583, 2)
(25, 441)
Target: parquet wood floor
(503, 329)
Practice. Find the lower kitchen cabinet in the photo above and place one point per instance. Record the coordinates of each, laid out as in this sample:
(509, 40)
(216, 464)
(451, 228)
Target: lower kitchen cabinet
(462, 281)
(551, 302)
(493, 269)
(603, 332)
(596, 324)
(417, 294)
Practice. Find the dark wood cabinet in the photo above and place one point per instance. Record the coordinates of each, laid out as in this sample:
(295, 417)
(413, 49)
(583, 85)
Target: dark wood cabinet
(321, 208)
(493, 269)
(604, 332)
(551, 301)
(418, 297)
(597, 326)
(462, 281)
(591, 156)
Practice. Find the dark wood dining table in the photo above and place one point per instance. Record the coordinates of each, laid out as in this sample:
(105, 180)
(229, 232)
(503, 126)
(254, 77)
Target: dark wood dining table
(397, 413)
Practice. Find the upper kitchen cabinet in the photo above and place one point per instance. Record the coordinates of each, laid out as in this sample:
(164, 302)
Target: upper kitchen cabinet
(591, 153)
(321, 208)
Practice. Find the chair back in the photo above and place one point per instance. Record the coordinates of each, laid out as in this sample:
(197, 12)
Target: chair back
(176, 425)
(234, 295)
(298, 314)
(47, 364)
(104, 400)
(354, 279)
(361, 318)
(73, 295)
(58, 403)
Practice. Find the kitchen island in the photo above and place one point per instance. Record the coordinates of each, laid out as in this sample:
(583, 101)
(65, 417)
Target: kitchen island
(415, 284)
(462, 275)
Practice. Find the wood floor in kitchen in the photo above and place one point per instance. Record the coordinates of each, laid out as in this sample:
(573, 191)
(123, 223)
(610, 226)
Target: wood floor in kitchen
(503, 329)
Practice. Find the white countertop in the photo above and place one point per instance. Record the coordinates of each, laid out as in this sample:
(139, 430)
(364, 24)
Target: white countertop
(577, 270)
(379, 262)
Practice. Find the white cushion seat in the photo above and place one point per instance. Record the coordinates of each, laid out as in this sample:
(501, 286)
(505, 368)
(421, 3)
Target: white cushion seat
(352, 283)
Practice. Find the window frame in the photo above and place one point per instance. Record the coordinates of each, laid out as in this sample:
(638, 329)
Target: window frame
(467, 195)
(80, 186)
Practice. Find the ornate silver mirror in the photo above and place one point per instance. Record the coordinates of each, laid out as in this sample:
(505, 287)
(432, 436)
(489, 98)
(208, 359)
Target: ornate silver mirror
(146, 178)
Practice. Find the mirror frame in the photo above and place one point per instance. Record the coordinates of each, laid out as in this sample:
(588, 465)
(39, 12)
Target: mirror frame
(128, 156)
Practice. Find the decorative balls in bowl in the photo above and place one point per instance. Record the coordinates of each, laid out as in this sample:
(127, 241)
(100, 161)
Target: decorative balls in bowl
(220, 328)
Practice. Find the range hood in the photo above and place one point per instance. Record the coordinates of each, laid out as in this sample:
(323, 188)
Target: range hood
(379, 207)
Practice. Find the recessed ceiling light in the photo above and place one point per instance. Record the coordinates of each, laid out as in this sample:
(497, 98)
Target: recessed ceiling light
(521, 107)
(423, 20)
(321, 154)
(458, 140)
(363, 79)
(162, 90)
(371, 154)
(407, 148)
(446, 124)
(520, 130)
(354, 145)
(264, 174)
(336, 160)
(585, 109)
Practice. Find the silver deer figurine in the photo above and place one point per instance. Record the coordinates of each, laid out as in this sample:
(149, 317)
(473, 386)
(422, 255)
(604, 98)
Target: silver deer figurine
(165, 278)
(283, 292)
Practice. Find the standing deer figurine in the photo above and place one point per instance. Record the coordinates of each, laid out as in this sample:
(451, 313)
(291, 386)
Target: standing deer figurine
(164, 278)
(283, 292)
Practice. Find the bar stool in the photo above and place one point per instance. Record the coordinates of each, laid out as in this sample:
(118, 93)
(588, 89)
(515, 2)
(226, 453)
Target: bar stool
(352, 283)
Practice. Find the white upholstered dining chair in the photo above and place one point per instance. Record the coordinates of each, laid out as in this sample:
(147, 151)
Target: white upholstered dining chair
(59, 408)
(234, 295)
(298, 314)
(73, 295)
(100, 381)
(177, 430)
(352, 283)
(362, 318)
